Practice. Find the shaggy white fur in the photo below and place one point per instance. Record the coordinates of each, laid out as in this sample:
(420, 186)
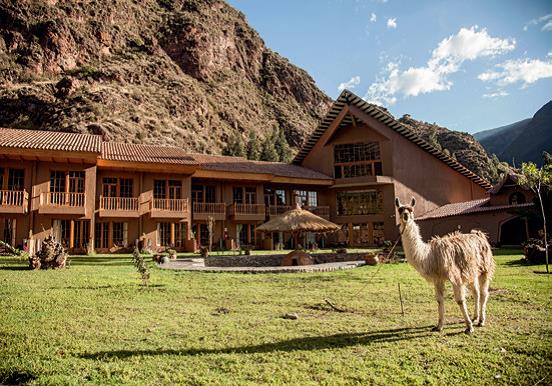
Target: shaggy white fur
(464, 259)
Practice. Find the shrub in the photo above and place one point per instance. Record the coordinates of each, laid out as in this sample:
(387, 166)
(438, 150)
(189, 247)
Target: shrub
(141, 266)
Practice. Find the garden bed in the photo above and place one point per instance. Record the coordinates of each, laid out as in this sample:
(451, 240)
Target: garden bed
(269, 260)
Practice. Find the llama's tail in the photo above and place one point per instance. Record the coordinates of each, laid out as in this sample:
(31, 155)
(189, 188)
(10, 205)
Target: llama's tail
(487, 264)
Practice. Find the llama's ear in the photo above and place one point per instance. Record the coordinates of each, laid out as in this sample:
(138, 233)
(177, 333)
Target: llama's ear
(397, 202)
(413, 202)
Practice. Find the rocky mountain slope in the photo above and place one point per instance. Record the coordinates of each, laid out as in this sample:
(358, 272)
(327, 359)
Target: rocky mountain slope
(462, 146)
(521, 141)
(188, 73)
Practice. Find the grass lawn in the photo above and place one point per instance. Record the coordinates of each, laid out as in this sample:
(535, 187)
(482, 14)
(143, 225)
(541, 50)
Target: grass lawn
(94, 324)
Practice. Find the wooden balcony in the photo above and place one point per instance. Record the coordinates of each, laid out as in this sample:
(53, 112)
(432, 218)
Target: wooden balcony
(277, 210)
(14, 201)
(118, 207)
(169, 208)
(62, 203)
(321, 211)
(204, 210)
(247, 211)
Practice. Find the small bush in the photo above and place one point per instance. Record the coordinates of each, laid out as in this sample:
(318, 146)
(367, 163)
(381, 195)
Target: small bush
(141, 266)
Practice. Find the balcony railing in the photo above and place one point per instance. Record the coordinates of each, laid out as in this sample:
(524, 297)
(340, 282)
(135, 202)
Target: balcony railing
(118, 207)
(13, 201)
(245, 211)
(169, 208)
(62, 203)
(204, 210)
(65, 199)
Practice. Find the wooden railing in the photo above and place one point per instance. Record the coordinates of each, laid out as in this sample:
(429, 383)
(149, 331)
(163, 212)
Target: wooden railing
(119, 203)
(209, 207)
(237, 209)
(322, 211)
(66, 199)
(170, 204)
(13, 197)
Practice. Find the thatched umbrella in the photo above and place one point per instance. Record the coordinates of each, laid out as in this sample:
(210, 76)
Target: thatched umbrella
(297, 221)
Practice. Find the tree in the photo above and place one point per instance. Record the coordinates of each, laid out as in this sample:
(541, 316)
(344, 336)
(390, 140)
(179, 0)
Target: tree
(282, 147)
(253, 147)
(268, 152)
(235, 146)
(537, 179)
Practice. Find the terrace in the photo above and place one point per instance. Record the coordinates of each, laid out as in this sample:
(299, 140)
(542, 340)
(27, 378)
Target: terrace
(62, 203)
(14, 201)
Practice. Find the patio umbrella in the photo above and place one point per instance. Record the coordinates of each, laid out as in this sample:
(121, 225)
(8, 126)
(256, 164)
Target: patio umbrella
(297, 221)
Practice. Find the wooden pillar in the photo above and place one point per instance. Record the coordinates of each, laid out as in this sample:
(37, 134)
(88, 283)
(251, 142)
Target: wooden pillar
(72, 234)
(371, 233)
(110, 234)
(172, 233)
(350, 234)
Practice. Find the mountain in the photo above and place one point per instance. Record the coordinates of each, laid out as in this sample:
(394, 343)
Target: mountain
(461, 146)
(187, 73)
(521, 141)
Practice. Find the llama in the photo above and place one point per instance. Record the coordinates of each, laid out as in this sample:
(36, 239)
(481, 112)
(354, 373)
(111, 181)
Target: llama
(461, 258)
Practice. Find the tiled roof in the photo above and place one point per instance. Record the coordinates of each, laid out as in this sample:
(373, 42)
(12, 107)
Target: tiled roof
(238, 164)
(130, 152)
(173, 155)
(468, 207)
(49, 140)
(348, 98)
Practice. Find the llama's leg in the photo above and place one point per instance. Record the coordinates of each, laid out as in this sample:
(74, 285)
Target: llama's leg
(476, 298)
(460, 297)
(483, 298)
(440, 296)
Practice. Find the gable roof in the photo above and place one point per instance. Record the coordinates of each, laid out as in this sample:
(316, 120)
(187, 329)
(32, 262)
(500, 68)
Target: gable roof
(348, 98)
(50, 140)
(510, 177)
(468, 207)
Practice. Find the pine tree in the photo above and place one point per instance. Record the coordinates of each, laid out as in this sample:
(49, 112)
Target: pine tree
(282, 147)
(253, 145)
(268, 152)
(235, 146)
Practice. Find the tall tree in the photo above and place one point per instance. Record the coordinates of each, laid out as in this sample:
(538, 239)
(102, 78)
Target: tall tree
(235, 146)
(268, 152)
(253, 146)
(282, 147)
(538, 179)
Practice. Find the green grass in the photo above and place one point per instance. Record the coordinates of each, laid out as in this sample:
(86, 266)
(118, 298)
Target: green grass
(94, 324)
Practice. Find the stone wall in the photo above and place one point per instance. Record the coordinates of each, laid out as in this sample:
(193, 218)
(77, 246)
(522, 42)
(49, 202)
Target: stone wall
(276, 260)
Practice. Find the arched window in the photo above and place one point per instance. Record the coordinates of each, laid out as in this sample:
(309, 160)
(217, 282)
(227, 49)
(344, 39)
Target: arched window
(517, 198)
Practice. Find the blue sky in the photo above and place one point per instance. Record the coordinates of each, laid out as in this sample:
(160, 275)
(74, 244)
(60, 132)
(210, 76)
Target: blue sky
(467, 65)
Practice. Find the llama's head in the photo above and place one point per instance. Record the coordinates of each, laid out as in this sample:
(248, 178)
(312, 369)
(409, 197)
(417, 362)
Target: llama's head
(406, 212)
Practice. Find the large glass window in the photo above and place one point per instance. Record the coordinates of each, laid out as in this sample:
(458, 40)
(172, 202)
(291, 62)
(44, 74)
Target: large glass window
(275, 196)
(16, 179)
(359, 203)
(164, 234)
(203, 193)
(357, 160)
(117, 187)
(120, 234)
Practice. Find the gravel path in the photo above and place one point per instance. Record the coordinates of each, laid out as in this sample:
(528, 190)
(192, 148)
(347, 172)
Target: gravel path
(198, 265)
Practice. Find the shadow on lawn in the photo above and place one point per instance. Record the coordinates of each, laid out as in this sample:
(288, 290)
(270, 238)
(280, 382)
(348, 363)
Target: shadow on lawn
(91, 260)
(297, 344)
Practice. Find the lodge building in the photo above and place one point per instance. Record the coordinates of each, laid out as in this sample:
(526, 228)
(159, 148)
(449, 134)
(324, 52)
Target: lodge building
(103, 196)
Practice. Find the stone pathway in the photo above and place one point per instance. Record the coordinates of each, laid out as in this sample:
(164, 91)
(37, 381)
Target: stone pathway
(199, 265)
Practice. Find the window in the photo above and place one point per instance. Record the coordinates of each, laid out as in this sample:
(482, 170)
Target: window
(275, 196)
(101, 235)
(159, 189)
(301, 197)
(237, 193)
(359, 203)
(81, 233)
(164, 234)
(61, 231)
(313, 198)
(120, 234)
(57, 181)
(16, 179)
(201, 233)
(203, 193)
(117, 187)
(76, 181)
(245, 233)
(517, 198)
(357, 160)
(379, 235)
(180, 234)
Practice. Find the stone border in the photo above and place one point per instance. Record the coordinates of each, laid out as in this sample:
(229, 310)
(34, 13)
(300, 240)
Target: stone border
(275, 260)
(199, 266)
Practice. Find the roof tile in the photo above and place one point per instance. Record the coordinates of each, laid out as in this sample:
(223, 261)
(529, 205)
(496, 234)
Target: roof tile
(467, 207)
(50, 140)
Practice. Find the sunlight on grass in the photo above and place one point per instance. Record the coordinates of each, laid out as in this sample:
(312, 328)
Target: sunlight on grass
(93, 323)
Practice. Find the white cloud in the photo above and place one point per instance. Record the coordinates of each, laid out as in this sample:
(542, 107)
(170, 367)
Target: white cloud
(352, 83)
(545, 20)
(467, 44)
(373, 17)
(392, 23)
(497, 94)
(526, 71)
